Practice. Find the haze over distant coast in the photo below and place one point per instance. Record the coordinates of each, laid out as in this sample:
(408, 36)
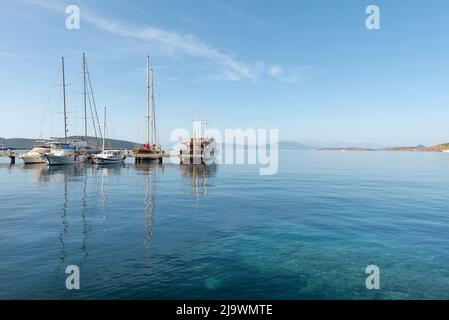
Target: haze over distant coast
(24, 143)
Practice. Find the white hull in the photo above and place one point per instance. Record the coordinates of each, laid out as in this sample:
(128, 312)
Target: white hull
(99, 160)
(197, 158)
(33, 158)
(196, 152)
(60, 160)
(109, 157)
(56, 160)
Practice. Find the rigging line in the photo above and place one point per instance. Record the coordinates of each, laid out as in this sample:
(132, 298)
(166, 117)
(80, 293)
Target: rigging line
(89, 101)
(113, 132)
(43, 116)
(92, 117)
(109, 124)
(93, 100)
(94, 104)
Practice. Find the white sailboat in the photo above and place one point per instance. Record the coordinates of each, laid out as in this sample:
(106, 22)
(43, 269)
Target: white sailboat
(108, 156)
(61, 154)
(72, 151)
(66, 151)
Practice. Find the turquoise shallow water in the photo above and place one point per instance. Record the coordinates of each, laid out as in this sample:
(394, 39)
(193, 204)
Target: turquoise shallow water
(225, 232)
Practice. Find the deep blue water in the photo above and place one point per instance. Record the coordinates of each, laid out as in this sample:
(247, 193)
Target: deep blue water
(225, 232)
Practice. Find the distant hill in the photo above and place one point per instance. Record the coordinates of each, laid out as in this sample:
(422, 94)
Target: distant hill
(438, 147)
(347, 149)
(112, 143)
(18, 143)
(25, 144)
(289, 145)
(417, 148)
(282, 145)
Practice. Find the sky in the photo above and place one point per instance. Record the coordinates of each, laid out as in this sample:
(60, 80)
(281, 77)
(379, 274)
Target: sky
(308, 68)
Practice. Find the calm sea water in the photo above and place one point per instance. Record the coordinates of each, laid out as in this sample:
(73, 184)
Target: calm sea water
(219, 232)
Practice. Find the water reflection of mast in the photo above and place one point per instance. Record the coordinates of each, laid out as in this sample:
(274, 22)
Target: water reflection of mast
(65, 225)
(103, 197)
(84, 212)
(149, 204)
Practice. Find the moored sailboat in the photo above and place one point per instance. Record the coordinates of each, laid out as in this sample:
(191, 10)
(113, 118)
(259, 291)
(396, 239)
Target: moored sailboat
(108, 156)
(150, 151)
(72, 151)
(61, 154)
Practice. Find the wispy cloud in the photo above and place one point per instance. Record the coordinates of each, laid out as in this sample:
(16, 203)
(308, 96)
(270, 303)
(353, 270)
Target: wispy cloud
(275, 71)
(290, 75)
(230, 68)
(13, 55)
(176, 42)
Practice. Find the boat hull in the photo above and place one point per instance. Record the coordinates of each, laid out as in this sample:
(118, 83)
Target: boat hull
(99, 160)
(60, 160)
(148, 156)
(33, 158)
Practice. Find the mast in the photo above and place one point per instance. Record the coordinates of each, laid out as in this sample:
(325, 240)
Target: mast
(104, 124)
(63, 95)
(85, 94)
(148, 100)
(153, 107)
(196, 127)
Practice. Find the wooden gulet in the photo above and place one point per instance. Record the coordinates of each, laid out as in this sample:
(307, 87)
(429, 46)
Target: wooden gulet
(150, 151)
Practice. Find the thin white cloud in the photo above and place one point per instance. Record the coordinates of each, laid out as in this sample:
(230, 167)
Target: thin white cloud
(13, 55)
(290, 75)
(170, 40)
(275, 71)
(176, 42)
(229, 66)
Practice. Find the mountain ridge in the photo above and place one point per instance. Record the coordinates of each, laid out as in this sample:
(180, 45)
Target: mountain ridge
(27, 143)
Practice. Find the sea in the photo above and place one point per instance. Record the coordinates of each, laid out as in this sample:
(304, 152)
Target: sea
(171, 231)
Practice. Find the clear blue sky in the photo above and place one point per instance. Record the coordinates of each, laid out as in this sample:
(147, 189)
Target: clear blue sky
(309, 68)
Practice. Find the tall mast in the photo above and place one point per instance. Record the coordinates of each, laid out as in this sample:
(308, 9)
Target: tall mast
(153, 107)
(196, 127)
(104, 130)
(85, 94)
(148, 99)
(63, 95)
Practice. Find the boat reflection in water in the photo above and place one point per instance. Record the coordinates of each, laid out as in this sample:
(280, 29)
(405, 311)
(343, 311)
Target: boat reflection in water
(150, 170)
(44, 172)
(199, 173)
(92, 205)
